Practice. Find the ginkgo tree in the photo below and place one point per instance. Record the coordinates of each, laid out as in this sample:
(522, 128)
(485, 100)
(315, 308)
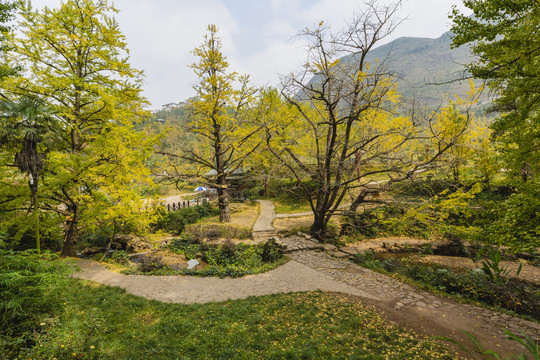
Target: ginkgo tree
(456, 124)
(76, 59)
(337, 128)
(221, 119)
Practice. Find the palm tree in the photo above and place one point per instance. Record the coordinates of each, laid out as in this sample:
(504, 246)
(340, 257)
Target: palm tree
(23, 124)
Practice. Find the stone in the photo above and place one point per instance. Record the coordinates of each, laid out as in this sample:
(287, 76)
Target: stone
(192, 263)
(339, 254)
(91, 251)
(330, 247)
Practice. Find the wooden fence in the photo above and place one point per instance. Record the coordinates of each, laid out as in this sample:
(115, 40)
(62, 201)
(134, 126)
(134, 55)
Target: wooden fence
(207, 196)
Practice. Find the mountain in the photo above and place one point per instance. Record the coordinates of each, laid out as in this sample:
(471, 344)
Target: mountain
(423, 61)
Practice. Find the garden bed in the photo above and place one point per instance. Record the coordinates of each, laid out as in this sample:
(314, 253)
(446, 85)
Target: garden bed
(513, 294)
(220, 259)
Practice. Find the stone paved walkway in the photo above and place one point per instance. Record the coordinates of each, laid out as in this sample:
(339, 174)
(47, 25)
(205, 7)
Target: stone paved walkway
(310, 270)
(263, 229)
(293, 276)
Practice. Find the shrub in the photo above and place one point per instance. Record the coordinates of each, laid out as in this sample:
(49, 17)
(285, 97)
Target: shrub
(150, 264)
(386, 220)
(516, 295)
(27, 286)
(176, 221)
(229, 259)
(120, 257)
(290, 191)
(425, 188)
(271, 251)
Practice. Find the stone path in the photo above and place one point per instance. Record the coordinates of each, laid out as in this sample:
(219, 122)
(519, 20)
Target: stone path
(263, 229)
(405, 298)
(293, 276)
(311, 269)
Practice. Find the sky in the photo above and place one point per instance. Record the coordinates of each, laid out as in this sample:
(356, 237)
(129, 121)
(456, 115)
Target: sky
(258, 35)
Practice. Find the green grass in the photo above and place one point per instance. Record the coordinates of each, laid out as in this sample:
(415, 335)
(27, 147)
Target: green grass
(282, 206)
(100, 322)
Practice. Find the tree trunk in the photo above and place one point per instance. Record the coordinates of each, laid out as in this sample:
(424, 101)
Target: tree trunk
(318, 228)
(71, 235)
(223, 202)
(36, 219)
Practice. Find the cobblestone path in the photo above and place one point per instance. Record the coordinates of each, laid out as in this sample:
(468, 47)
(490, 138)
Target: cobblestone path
(312, 269)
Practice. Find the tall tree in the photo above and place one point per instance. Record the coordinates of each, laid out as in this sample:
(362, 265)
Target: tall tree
(6, 14)
(505, 36)
(76, 58)
(340, 129)
(23, 126)
(220, 117)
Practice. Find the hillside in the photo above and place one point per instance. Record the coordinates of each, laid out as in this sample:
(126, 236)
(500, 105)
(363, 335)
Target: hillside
(423, 61)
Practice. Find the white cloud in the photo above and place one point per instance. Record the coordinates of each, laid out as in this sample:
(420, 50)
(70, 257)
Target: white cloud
(258, 38)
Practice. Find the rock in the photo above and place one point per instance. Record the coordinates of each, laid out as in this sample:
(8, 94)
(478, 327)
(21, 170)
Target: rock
(131, 243)
(339, 254)
(330, 247)
(91, 251)
(192, 263)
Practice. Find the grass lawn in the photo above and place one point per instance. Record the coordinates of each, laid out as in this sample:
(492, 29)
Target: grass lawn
(242, 214)
(100, 322)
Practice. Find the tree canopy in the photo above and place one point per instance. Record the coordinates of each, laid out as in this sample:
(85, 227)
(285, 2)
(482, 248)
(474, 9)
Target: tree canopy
(76, 59)
(505, 37)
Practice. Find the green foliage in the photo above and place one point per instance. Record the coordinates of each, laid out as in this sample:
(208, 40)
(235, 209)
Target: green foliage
(518, 220)
(492, 267)
(515, 295)
(390, 220)
(29, 283)
(120, 257)
(423, 188)
(176, 221)
(90, 175)
(106, 323)
(479, 350)
(228, 259)
(506, 37)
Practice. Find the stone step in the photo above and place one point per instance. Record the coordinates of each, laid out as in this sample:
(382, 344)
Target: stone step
(263, 235)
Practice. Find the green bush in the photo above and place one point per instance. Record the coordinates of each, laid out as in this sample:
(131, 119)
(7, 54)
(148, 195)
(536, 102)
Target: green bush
(389, 220)
(424, 188)
(176, 221)
(516, 295)
(227, 259)
(120, 257)
(27, 284)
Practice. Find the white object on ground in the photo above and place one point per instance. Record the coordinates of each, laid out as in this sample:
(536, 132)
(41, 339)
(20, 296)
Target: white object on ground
(192, 263)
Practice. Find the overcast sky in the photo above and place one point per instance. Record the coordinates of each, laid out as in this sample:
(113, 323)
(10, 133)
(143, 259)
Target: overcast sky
(258, 35)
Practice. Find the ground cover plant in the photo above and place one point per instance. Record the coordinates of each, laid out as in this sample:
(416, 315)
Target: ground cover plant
(176, 221)
(220, 259)
(100, 322)
(516, 295)
(29, 285)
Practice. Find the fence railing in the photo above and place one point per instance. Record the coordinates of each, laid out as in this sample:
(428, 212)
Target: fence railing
(184, 204)
(210, 196)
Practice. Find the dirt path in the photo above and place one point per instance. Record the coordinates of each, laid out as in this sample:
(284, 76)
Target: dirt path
(311, 270)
